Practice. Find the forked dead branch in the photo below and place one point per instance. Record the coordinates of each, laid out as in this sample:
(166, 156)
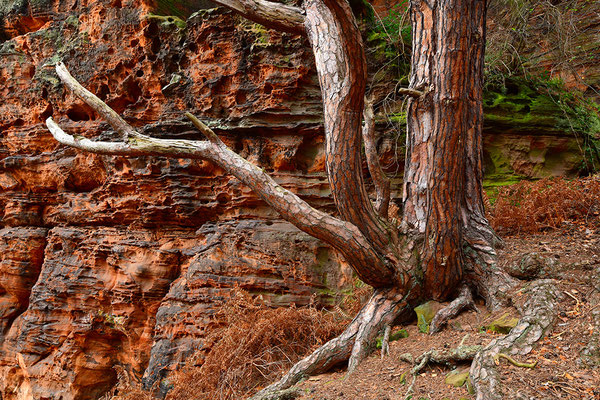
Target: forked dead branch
(443, 245)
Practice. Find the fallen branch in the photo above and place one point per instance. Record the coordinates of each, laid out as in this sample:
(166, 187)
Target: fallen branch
(447, 357)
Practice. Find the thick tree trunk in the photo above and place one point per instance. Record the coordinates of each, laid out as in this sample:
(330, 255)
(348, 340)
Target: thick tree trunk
(480, 241)
(439, 122)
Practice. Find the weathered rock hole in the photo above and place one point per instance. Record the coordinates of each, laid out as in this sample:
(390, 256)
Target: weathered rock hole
(151, 30)
(134, 43)
(47, 112)
(110, 51)
(23, 25)
(57, 247)
(121, 164)
(78, 113)
(18, 122)
(139, 73)
(240, 98)
(103, 92)
(155, 47)
(193, 47)
(268, 88)
(223, 198)
(184, 62)
(134, 89)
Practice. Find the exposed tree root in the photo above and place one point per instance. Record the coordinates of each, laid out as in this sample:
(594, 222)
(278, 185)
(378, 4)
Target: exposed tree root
(538, 315)
(286, 394)
(489, 280)
(385, 342)
(464, 300)
(354, 344)
(447, 357)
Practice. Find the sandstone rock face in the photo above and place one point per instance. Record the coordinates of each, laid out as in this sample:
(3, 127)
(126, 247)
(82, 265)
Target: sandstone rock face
(115, 265)
(111, 265)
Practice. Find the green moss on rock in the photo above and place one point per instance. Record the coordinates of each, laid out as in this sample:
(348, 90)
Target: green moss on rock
(457, 378)
(425, 313)
(503, 324)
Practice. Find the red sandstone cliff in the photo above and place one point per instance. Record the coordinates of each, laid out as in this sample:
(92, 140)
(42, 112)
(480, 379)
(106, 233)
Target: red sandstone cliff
(108, 261)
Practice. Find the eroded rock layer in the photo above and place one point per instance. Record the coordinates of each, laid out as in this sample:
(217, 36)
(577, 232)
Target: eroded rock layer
(116, 265)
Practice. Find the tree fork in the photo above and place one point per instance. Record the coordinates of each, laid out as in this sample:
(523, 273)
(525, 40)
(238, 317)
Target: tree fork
(341, 67)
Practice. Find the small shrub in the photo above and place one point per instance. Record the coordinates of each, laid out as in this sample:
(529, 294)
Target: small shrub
(254, 347)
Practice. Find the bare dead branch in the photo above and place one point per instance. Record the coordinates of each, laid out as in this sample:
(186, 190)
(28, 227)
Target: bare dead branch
(206, 131)
(342, 235)
(447, 357)
(410, 92)
(380, 180)
(281, 17)
(140, 145)
(107, 113)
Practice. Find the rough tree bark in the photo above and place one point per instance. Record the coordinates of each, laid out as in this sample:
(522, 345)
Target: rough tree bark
(443, 242)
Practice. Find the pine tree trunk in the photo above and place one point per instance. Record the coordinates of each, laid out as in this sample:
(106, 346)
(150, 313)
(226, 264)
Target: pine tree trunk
(443, 140)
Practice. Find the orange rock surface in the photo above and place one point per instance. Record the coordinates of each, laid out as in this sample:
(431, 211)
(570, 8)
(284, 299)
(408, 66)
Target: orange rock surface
(108, 262)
